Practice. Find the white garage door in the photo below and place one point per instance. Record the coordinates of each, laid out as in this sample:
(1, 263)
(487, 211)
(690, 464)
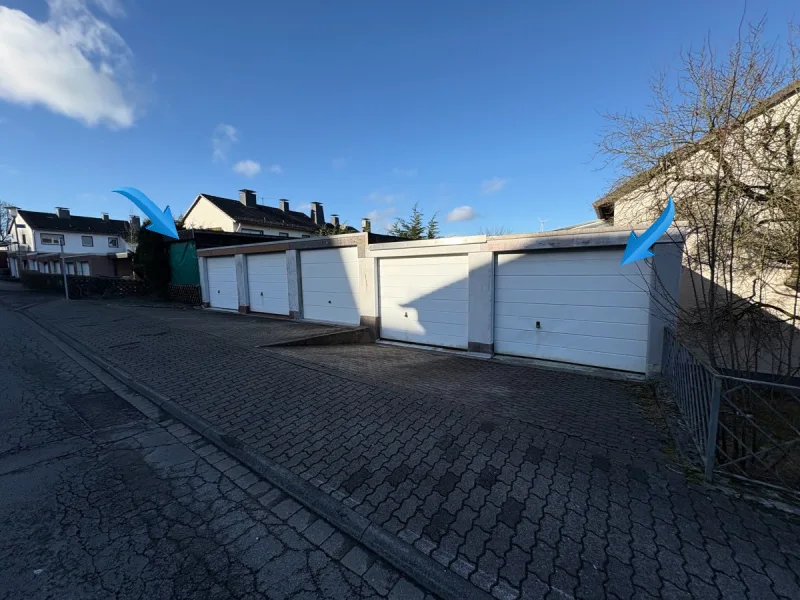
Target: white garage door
(329, 280)
(425, 300)
(268, 284)
(589, 309)
(222, 283)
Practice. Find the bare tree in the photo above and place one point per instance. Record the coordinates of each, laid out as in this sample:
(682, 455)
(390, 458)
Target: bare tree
(721, 137)
(5, 222)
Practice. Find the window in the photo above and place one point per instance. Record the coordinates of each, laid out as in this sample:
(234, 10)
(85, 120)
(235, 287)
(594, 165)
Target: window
(70, 268)
(45, 267)
(283, 234)
(57, 268)
(258, 231)
(24, 239)
(83, 268)
(87, 240)
(113, 242)
(52, 240)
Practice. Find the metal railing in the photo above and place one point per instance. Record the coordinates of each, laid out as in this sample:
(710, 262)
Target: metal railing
(741, 426)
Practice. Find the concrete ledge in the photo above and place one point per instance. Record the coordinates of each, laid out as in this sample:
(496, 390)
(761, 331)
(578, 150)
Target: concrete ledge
(402, 556)
(374, 324)
(480, 348)
(359, 335)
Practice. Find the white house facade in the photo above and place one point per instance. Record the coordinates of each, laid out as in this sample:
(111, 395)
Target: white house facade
(245, 215)
(88, 245)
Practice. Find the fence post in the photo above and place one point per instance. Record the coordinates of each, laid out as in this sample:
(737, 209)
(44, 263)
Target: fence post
(713, 426)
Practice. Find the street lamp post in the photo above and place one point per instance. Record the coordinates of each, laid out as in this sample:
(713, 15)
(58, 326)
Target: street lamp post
(63, 266)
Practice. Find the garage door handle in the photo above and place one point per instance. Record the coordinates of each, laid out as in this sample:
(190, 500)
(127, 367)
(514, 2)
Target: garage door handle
(218, 291)
(406, 315)
(262, 293)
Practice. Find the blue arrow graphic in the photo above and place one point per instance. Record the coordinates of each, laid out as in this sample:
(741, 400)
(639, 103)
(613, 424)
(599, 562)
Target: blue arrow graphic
(638, 248)
(160, 222)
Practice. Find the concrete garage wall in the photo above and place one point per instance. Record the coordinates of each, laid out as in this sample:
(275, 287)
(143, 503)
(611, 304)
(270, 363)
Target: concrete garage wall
(430, 299)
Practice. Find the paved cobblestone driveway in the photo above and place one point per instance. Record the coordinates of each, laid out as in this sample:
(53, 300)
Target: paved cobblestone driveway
(101, 501)
(524, 481)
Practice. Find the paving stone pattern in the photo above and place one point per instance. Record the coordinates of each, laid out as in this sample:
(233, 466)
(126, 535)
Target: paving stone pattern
(249, 331)
(103, 501)
(526, 482)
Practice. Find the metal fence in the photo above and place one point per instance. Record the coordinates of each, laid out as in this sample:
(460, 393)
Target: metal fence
(741, 426)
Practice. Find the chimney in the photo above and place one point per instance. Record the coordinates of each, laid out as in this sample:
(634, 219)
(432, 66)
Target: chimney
(135, 222)
(63, 213)
(317, 214)
(335, 220)
(365, 225)
(247, 197)
(105, 216)
(284, 205)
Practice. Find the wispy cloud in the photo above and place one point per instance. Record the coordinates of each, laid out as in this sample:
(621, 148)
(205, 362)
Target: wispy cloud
(74, 64)
(493, 185)
(404, 172)
(378, 196)
(248, 168)
(222, 140)
(8, 170)
(304, 207)
(462, 213)
(340, 162)
(381, 219)
(275, 169)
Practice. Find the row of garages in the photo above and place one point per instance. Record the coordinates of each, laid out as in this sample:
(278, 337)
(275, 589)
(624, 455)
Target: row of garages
(559, 298)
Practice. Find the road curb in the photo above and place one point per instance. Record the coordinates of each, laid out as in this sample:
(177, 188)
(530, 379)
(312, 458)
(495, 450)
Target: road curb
(402, 556)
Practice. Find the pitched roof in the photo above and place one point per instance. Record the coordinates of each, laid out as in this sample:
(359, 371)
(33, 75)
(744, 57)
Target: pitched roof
(604, 206)
(266, 216)
(74, 224)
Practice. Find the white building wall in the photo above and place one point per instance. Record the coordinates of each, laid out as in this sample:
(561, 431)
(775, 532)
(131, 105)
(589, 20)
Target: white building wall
(73, 243)
(244, 228)
(204, 215)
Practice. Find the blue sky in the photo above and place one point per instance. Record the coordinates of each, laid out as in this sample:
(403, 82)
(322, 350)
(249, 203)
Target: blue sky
(364, 106)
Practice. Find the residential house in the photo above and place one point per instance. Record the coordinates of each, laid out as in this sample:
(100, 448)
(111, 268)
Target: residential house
(90, 245)
(758, 153)
(245, 215)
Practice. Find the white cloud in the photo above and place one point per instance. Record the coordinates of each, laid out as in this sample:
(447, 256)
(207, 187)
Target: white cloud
(493, 185)
(74, 64)
(404, 172)
(381, 219)
(222, 140)
(276, 169)
(462, 213)
(385, 198)
(303, 208)
(248, 168)
(339, 162)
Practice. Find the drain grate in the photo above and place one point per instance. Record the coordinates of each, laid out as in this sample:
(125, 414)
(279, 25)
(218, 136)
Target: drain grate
(101, 410)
